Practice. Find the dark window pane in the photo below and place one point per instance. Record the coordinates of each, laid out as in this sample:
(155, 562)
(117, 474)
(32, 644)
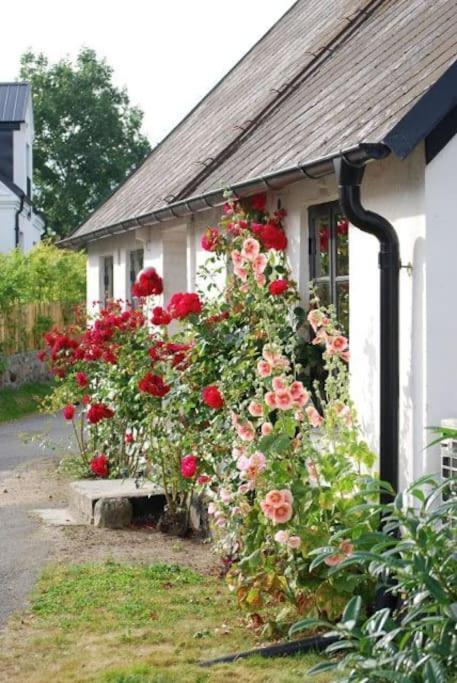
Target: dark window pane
(323, 292)
(342, 247)
(322, 247)
(107, 278)
(342, 304)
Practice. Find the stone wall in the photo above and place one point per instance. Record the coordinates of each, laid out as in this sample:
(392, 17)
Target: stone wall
(22, 368)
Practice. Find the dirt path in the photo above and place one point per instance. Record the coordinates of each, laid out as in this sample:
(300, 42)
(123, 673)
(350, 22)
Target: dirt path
(27, 545)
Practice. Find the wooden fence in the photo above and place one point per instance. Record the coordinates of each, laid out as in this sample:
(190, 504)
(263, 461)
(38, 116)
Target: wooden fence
(22, 325)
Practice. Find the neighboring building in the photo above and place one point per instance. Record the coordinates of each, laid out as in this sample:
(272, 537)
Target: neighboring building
(20, 225)
(365, 79)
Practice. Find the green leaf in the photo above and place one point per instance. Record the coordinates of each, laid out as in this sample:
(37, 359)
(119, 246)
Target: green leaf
(323, 666)
(433, 672)
(352, 612)
(308, 624)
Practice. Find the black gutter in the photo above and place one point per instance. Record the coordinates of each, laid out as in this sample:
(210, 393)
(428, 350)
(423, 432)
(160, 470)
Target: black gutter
(16, 220)
(313, 169)
(349, 175)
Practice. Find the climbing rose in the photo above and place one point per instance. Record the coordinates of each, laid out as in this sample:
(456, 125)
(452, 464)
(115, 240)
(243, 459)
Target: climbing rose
(210, 239)
(271, 236)
(160, 316)
(183, 304)
(188, 466)
(278, 287)
(99, 465)
(203, 479)
(41, 355)
(69, 412)
(148, 283)
(153, 385)
(97, 412)
(259, 201)
(212, 397)
(81, 379)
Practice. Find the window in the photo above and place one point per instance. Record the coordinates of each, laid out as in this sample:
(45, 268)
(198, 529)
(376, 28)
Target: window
(329, 257)
(136, 264)
(108, 279)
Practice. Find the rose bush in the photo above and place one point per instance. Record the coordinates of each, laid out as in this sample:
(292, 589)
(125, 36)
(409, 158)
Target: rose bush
(225, 407)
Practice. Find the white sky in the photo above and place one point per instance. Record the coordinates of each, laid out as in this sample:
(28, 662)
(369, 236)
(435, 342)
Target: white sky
(168, 53)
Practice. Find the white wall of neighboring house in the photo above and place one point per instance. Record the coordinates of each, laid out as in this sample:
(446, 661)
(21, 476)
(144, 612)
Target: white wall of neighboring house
(420, 203)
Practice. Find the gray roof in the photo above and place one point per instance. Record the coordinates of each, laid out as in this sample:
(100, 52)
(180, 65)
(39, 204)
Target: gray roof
(329, 76)
(14, 98)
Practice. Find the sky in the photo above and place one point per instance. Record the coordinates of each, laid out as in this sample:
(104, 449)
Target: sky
(167, 53)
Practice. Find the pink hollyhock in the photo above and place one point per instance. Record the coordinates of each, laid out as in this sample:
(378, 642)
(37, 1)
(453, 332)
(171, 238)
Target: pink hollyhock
(313, 416)
(250, 249)
(99, 465)
(266, 428)
(160, 316)
(278, 287)
(270, 399)
(98, 412)
(189, 466)
(237, 259)
(254, 465)
(338, 344)
(282, 514)
(284, 400)
(264, 368)
(334, 560)
(260, 279)
(241, 272)
(147, 283)
(255, 409)
(345, 355)
(315, 318)
(274, 498)
(81, 379)
(69, 412)
(347, 547)
(266, 509)
(259, 202)
(297, 389)
(153, 385)
(294, 542)
(279, 384)
(183, 304)
(282, 537)
(259, 264)
(246, 431)
(212, 397)
(210, 239)
(312, 472)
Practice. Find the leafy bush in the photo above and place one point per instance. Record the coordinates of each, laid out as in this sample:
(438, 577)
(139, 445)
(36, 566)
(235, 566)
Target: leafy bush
(414, 558)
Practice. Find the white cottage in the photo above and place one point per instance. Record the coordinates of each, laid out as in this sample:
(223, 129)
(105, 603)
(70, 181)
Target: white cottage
(20, 225)
(335, 87)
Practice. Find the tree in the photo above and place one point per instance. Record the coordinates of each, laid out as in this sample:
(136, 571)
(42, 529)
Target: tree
(87, 135)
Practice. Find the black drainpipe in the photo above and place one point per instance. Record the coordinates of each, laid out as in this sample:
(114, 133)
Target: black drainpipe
(349, 176)
(16, 221)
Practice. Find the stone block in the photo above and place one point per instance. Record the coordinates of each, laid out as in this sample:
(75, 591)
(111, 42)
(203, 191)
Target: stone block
(112, 513)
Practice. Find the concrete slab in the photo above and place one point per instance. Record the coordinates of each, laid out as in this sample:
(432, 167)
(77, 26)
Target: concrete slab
(57, 517)
(85, 493)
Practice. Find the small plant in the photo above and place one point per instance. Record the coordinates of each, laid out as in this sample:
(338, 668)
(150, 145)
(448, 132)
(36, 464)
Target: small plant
(414, 558)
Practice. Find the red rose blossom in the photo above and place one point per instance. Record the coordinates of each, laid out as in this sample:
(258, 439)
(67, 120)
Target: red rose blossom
(98, 412)
(271, 236)
(41, 355)
(160, 316)
(153, 385)
(183, 304)
(81, 379)
(128, 437)
(203, 479)
(278, 287)
(69, 411)
(86, 399)
(99, 465)
(210, 239)
(212, 397)
(147, 283)
(259, 201)
(189, 466)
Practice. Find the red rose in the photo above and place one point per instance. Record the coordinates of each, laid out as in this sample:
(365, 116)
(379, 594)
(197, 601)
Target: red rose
(147, 283)
(183, 304)
(210, 239)
(203, 479)
(69, 412)
(212, 397)
(278, 287)
(160, 316)
(99, 465)
(86, 399)
(259, 201)
(98, 412)
(128, 437)
(41, 355)
(189, 466)
(271, 236)
(153, 385)
(81, 379)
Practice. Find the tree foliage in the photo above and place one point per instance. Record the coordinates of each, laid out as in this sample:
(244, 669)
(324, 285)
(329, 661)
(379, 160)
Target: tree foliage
(87, 135)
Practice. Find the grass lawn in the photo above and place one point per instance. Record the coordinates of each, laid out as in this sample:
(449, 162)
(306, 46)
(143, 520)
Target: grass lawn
(15, 403)
(113, 623)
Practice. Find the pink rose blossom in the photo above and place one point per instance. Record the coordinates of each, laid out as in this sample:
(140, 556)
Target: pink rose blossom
(259, 264)
(282, 536)
(313, 416)
(250, 249)
(294, 542)
(255, 409)
(266, 428)
(270, 399)
(264, 368)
